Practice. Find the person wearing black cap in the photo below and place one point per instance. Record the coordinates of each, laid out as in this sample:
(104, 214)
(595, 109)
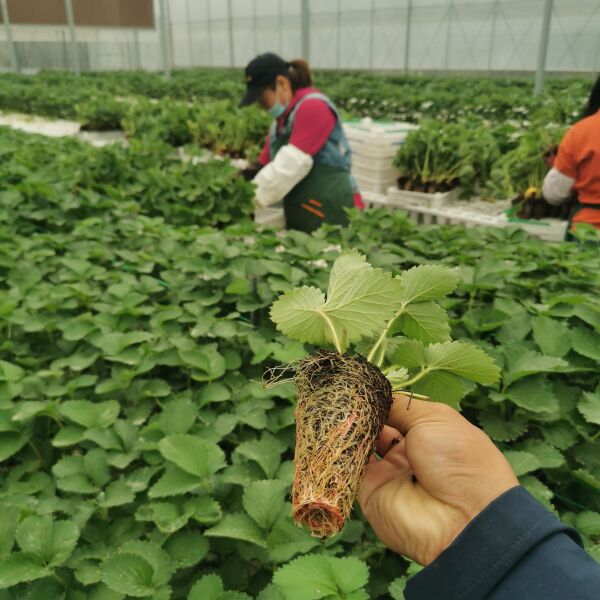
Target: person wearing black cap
(306, 159)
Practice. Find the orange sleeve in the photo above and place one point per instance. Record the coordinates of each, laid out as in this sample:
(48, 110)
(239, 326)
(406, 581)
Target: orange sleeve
(566, 161)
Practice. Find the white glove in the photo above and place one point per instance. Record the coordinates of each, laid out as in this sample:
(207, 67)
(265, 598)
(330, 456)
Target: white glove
(557, 187)
(282, 174)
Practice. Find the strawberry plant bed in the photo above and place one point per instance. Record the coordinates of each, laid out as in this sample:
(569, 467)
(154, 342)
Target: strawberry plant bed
(135, 431)
(139, 454)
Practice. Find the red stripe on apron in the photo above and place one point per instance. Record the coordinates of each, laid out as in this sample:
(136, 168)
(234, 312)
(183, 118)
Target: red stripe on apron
(313, 210)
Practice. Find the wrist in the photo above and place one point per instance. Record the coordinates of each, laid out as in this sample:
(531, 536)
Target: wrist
(458, 520)
(446, 535)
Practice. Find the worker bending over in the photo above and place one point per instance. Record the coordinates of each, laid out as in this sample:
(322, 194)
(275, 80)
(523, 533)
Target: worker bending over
(306, 159)
(576, 169)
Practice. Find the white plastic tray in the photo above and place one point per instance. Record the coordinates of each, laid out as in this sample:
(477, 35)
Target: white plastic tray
(370, 151)
(366, 161)
(435, 200)
(373, 183)
(374, 145)
(468, 215)
(374, 200)
(378, 133)
(550, 230)
(436, 213)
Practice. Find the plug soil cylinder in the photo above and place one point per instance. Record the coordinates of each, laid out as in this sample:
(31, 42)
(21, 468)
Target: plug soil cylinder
(343, 403)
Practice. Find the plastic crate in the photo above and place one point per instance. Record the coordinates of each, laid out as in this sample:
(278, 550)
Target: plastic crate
(370, 163)
(373, 180)
(375, 184)
(374, 200)
(436, 200)
(453, 216)
(550, 230)
(382, 136)
(440, 214)
(374, 145)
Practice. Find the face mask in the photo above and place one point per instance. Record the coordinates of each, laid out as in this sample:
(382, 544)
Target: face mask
(277, 109)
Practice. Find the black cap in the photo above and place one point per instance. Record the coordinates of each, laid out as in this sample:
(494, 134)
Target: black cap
(260, 73)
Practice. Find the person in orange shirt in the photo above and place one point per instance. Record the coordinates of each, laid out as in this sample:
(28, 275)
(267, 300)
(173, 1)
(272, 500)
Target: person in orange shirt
(576, 169)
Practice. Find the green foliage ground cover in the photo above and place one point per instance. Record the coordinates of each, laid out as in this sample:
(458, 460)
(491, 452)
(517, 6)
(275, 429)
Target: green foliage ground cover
(50, 184)
(497, 131)
(139, 454)
(143, 105)
(363, 94)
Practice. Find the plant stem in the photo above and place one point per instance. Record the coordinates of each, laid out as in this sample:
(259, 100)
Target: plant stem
(570, 502)
(334, 335)
(472, 295)
(417, 377)
(381, 359)
(411, 394)
(385, 332)
(36, 451)
(59, 579)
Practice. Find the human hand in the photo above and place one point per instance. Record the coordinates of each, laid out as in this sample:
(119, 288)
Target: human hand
(251, 171)
(533, 193)
(457, 469)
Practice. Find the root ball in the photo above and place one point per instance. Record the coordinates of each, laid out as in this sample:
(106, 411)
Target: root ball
(343, 403)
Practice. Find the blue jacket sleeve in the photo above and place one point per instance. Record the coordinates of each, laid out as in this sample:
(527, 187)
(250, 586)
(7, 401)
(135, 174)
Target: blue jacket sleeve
(515, 549)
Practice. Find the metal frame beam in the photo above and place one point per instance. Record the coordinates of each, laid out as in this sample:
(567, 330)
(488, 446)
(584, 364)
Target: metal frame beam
(338, 36)
(449, 13)
(209, 33)
(230, 28)
(409, 10)
(371, 33)
(280, 26)
(305, 29)
(543, 47)
(137, 55)
(10, 43)
(165, 45)
(493, 35)
(72, 37)
(254, 28)
(189, 32)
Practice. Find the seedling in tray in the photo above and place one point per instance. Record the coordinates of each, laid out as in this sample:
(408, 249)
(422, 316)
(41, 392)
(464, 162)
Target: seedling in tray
(400, 340)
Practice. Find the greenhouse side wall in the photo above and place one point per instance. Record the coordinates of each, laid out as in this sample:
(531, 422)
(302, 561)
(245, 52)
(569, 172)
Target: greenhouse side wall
(501, 36)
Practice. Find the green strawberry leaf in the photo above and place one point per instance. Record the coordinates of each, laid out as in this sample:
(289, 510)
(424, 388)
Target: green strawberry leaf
(589, 406)
(360, 299)
(192, 454)
(21, 567)
(427, 282)
(238, 526)
(264, 501)
(317, 576)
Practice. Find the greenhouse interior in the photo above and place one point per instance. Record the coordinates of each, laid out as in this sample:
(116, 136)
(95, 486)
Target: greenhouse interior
(299, 300)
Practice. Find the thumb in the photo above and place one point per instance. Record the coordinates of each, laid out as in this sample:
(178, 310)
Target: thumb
(407, 412)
